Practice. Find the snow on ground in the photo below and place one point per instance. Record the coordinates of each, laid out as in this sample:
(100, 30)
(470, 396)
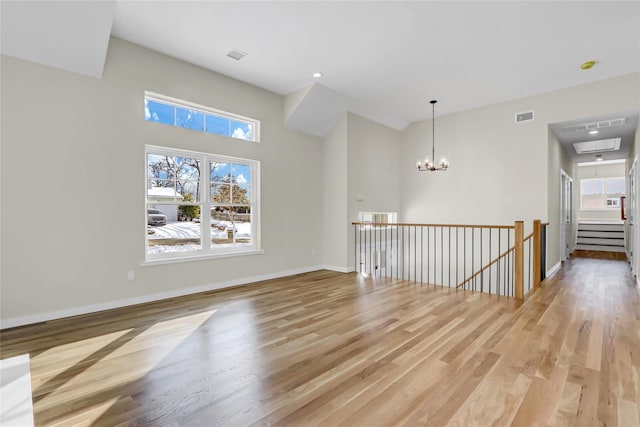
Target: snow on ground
(191, 230)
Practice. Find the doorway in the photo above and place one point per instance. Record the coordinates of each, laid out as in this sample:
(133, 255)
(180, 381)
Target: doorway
(631, 208)
(566, 215)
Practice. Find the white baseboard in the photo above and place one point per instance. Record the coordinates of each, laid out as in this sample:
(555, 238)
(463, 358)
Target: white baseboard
(75, 311)
(338, 269)
(553, 270)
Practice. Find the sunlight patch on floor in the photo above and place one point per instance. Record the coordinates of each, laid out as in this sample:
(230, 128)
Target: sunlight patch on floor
(143, 353)
(15, 392)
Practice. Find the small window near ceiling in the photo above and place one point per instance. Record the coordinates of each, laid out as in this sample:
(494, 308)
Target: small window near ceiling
(184, 114)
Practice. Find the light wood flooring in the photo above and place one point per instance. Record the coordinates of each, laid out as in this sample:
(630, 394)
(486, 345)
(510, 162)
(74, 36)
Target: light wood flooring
(332, 349)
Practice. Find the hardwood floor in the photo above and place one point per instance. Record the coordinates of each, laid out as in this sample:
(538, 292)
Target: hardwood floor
(335, 349)
(620, 256)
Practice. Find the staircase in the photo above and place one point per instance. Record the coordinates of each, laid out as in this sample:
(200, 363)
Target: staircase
(603, 236)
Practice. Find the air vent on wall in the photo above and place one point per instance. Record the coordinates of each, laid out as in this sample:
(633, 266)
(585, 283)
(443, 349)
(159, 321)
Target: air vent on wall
(596, 125)
(597, 146)
(525, 116)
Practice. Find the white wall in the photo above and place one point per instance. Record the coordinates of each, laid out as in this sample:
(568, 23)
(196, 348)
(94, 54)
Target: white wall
(598, 171)
(73, 145)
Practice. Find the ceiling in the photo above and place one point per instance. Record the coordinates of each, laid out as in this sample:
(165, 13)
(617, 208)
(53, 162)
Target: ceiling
(381, 60)
(606, 125)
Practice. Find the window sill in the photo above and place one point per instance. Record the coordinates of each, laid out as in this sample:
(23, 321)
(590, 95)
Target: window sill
(149, 263)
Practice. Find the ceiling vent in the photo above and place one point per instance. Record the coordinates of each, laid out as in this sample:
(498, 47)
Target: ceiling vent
(596, 125)
(236, 54)
(597, 146)
(525, 116)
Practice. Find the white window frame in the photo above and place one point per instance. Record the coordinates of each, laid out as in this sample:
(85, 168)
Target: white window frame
(206, 110)
(604, 195)
(206, 204)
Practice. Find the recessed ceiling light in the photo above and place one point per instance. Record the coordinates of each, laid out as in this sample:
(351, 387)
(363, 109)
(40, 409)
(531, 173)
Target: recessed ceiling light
(593, 132)
(598, 157)
(317, 75)
(588, 65)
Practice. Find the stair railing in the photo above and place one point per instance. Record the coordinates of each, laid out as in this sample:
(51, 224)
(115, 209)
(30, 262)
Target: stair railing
(495, 259)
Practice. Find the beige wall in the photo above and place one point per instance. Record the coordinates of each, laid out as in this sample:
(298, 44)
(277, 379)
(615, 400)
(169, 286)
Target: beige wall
(502, 171)
(633, 157)
(372, 171)
(73, 213)
(71, 145)
(558, 160)
(360, 163)
(336, 221)
(597, 171)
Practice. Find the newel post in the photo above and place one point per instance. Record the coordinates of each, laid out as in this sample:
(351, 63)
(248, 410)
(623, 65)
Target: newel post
(537, 252)
(519, 260)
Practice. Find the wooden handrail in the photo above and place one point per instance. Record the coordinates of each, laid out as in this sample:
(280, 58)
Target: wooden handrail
(502, 255)
(389, 224)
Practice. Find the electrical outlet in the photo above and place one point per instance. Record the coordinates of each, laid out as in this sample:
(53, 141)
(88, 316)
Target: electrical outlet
(131, 275)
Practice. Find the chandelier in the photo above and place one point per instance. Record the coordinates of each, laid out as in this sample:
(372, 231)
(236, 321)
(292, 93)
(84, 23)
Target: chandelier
(428, 164)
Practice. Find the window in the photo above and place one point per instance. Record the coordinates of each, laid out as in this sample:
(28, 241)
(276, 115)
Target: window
(199, 204)
(601, 193)
(377, 218)
(175, 112)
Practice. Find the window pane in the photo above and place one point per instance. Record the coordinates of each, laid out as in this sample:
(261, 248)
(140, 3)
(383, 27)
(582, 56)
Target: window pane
(616, 186)
(189, 119)
(221, 193)
(592, 201)
(230, 226)
(241, 178)
(176, 112)
(219, 172)
(592, 186)
(218, 125)
(162, 190)
(173, 178)
(158, 112)
(241, 130)
(170, 230)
